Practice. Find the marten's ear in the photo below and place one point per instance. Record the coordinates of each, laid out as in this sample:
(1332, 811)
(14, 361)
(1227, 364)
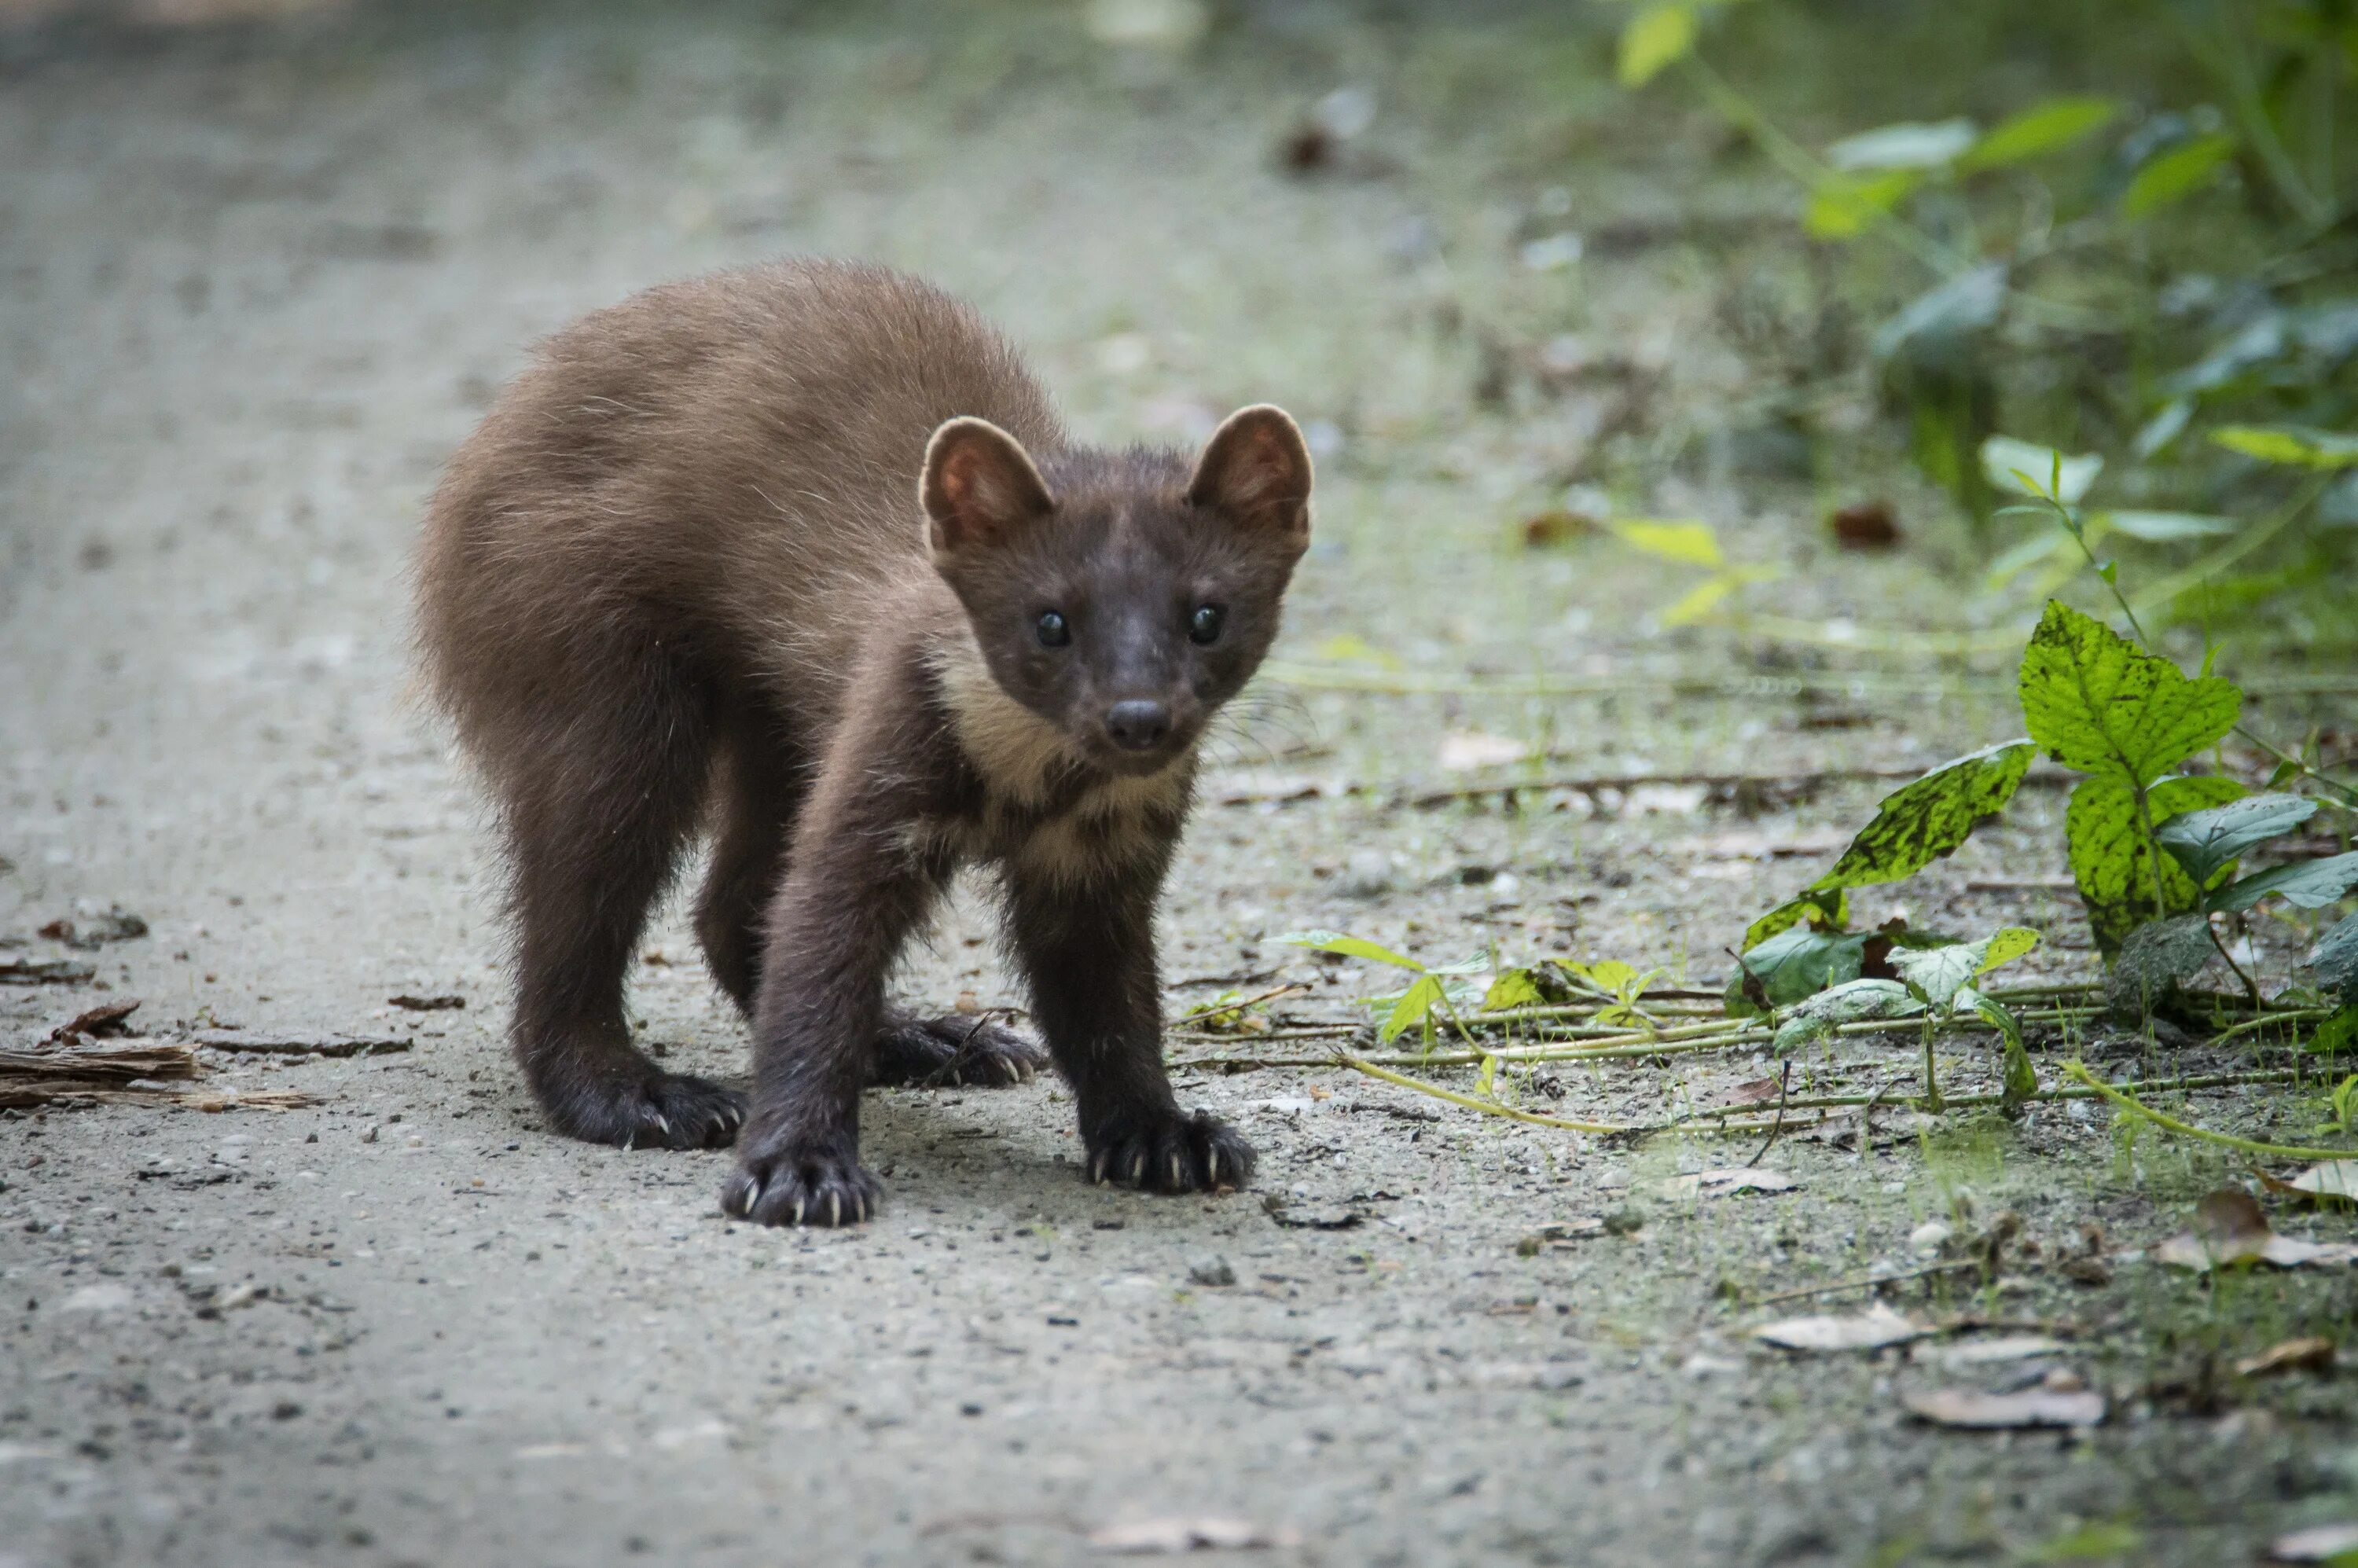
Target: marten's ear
(979, 487)
(1256, 469)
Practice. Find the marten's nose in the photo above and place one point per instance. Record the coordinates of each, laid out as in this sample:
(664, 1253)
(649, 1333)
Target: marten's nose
(1137, 723)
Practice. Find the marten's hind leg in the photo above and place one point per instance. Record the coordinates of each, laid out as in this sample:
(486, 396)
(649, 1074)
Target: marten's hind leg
(599, 806)
(758, 790)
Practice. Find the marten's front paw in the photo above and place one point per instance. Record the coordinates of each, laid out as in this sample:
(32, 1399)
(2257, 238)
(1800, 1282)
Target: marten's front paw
(658, 1110)
(934, 1053)
(1171, 1153)
(783, 1182)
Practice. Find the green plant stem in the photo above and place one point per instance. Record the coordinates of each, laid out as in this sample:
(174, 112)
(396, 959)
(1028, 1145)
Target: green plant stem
(1488, 1107)
(1884, 1097)
(2135, 1107)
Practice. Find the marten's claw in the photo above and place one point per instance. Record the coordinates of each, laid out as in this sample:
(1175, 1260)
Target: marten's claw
(786, 1185)
(1171, 1153)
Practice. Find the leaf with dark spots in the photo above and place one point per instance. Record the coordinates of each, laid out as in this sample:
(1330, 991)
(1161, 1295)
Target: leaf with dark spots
(2099, 703)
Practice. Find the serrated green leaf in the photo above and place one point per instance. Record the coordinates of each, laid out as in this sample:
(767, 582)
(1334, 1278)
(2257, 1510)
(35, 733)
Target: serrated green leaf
(2026, 468)
(1414, 1007)
(2297, 445)
(1658, 35)
(1911, 145)
(1689, 543)
(1842, 205)
(2177, 174)
(2042, 128)
(2338, 1033)
(1941, 975)
(2169, 527)
(1348, 947)
(2206, 842)
(1828, 907)
(2099, 703)
(1927, 819)
(2109, 851)
(1794, 964)
(2311, 884)
(1515, 987)
(2335, 959)
(1853, 1002)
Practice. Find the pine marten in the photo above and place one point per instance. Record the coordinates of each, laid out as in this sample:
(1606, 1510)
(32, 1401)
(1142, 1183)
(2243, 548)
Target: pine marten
(802, 552)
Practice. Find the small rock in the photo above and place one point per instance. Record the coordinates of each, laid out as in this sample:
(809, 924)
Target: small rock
(1927, 1239)
(1212, 1271)
(369, 1136)
(1367, 874)
(1627, 1220)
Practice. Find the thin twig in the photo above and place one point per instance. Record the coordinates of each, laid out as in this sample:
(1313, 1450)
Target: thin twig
(1865, 1283)
(2135, 1107)
(1214, 1008)
(1488, 1107)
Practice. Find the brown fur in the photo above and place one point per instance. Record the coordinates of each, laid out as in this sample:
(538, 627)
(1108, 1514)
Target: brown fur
(769, 554)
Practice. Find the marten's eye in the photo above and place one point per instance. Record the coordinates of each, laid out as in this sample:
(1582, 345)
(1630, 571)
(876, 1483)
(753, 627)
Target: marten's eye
(1204, 626)
(1054, 633)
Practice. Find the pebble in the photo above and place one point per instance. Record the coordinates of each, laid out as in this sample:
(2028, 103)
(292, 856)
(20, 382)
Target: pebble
(1927, 1238)
(1367, 874)
(1213, 1270)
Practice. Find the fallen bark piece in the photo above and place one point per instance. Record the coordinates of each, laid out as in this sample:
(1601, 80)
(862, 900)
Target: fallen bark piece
(1873, 1329)
(431, 1004)
(99, 1022)
(1170, 1537)
(1719, 1183)
(1294, 1218)
(2229, 1229)
(2313, 1353)
(256, 1042)
(2317, 1543)
(116, 924)
(2001, 1349)
(44, 972)
(1975, 1411)
(117, 1061)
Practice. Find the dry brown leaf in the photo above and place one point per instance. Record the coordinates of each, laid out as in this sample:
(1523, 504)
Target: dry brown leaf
(2026, 1407)
(2310, 1354)
(2229, 1229)
(1466, 750)
(1718, 1183)
(1170, 1537)
(1870, 1330)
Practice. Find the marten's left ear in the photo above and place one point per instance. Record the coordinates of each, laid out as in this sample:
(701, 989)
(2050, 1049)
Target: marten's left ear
(979, 488)
(1256, 469)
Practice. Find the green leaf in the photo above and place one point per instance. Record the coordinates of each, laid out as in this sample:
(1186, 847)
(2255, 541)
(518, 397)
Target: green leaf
(2042, 128)
(2298, 445)
(1851, 1002)
(2099, 703)
(1658, 35)
(2335, 959)
(2026, 468)
(1793, 965)
(1925, 821)
(2311, 884)
(1414, 1007)
(2113, 861)
(1911, 145)
(1346, 947)
(2206, 842)
(2155, 958)
(2169, 527)
(2177, 174)
(1842, 205)
(1689, 543)
(1940, 974)
(2338, 1033)
(1515, 987)
(1699, 602)
(1828, 907)
(2020, 1082)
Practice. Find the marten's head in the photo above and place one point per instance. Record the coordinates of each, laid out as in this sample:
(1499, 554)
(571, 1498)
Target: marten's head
(1122, 596)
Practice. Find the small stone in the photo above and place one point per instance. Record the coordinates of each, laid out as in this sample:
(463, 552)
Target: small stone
(369, 1136)
(1927, 1239)
(1367, 874)
(1212, 1271)
(1627, 1220)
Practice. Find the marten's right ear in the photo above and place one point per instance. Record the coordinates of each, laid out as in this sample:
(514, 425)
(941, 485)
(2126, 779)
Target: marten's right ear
(980, 488)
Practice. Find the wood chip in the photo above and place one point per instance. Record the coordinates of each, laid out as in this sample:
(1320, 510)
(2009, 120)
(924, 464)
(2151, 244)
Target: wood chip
(1171, 1537)
(1973, 1410)
(2310, 1354)
(2229, 1229)
(1719, 1183)
(1871, 1330)
(44, 972)
(433, 1003)
(257, 1042)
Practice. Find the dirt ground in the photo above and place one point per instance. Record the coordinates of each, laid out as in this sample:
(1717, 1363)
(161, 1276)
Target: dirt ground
(255, 283)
